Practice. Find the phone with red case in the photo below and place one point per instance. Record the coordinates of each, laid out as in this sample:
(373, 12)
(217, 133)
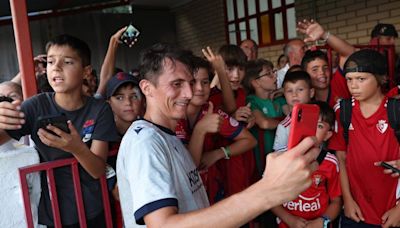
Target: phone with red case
(303, 123)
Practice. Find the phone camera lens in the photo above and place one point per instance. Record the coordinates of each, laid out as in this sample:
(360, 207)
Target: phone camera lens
(299, 115)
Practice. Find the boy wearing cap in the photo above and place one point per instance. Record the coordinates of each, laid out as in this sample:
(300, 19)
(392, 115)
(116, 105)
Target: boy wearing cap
(124, 96)
(369, 195)
(384, 34)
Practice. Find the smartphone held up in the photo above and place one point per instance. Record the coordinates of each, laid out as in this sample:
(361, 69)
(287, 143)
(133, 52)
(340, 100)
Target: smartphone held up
(130, 35)
(303, 123)
(59, 120)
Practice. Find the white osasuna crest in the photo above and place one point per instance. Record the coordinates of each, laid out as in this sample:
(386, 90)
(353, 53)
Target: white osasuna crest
(317, 180)
(382, 126)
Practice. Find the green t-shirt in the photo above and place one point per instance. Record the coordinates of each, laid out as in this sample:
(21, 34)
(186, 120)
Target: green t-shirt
(265, 138)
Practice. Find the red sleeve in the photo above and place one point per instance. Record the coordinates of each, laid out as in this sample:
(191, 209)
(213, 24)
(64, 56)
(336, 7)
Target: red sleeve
(334, 187)
(393, 92)
(182, 132)
(230, 127)
(338, 88)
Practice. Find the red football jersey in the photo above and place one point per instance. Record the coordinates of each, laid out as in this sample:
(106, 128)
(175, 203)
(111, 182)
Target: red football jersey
(238, 170)
(313, 202)
(338, 88)
(370, 140)
(213, 178)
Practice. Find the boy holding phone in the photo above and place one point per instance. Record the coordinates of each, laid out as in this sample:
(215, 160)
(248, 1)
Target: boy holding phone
(91, 124)
(370, 196)
(321, 202)
(297, 89)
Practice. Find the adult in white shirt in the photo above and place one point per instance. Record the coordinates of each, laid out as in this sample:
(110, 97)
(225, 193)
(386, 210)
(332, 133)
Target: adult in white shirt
(294, 51)
(159, 183)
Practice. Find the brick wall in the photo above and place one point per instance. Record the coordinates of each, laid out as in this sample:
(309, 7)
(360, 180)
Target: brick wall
(201, 22)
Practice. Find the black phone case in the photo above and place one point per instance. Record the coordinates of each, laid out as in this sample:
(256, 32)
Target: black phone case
(58, 121)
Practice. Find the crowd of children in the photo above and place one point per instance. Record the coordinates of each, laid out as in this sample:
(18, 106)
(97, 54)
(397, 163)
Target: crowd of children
(234, 115)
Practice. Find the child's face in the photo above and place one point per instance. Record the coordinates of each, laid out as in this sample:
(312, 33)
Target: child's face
(266, 80)
(362, 86)
(126, 103)
(323, 132)
(201, 88)
(320, 74)
(298, 92)
(64, 69)
(235, 76)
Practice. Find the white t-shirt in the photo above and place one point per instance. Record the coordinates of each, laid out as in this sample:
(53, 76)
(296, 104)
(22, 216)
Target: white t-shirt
(155, 170)
(280, 75)
(282, 134)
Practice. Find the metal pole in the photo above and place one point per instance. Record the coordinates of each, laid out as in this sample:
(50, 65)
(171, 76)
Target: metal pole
(24, 47)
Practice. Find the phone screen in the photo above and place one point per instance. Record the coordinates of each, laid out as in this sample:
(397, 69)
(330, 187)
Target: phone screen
(130, 35)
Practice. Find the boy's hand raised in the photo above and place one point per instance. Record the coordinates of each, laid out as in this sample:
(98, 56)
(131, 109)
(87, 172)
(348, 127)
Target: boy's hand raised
(11, 118)
(216, 61)
(312, 29)
(69, 142)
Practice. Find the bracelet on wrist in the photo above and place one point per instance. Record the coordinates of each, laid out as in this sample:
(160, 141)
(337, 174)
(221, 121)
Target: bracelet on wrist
(326, 221)
(227, 152)
(326, 37)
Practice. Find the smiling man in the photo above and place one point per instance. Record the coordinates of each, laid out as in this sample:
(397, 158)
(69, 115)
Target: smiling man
(159, 183)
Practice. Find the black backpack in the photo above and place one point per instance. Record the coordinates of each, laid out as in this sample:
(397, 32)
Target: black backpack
(393, 112)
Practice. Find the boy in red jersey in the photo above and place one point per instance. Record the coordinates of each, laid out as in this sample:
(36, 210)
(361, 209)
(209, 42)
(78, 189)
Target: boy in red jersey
(204, 125)
(369, 195)
(321, 202)
(239, 169)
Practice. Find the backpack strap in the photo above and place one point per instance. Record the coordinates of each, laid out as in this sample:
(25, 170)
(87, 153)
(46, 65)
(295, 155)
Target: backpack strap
(345, 117)
(393, 112)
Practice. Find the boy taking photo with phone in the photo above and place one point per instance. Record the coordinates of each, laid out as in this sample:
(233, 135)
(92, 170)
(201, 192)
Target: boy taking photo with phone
(91, 126)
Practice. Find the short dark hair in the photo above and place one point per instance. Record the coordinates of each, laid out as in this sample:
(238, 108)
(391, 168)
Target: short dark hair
(233, 55)
(326, 113)
(74, 43)
(310, 56)
(199, 62)
(295, 76)
(152, 60)
(251, 40)
(253, 69)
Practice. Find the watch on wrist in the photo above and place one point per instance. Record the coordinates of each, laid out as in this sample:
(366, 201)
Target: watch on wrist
(326, 220)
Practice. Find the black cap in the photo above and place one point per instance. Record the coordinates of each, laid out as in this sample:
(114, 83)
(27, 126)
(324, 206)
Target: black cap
(366, 60)
(117, 80)
(384, 30)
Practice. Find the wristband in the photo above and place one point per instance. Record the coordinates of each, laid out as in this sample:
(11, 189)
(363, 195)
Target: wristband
(227, 152)
(326, 37)
(326, 220)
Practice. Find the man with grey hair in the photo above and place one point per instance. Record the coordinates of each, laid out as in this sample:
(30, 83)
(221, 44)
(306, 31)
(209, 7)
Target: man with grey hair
(11, 89)
(294, 50)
